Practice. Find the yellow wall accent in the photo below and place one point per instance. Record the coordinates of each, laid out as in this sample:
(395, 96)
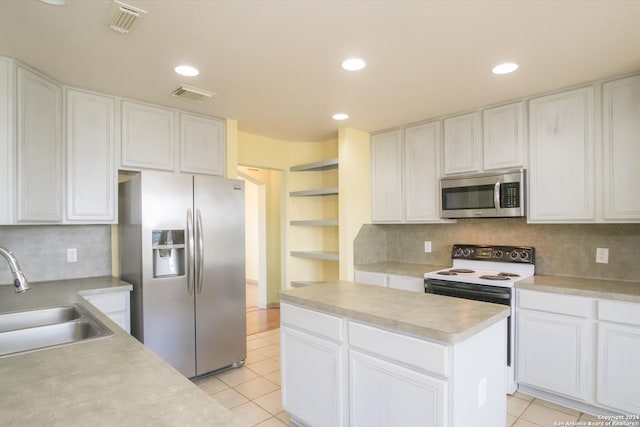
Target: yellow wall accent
(355, 192)
(278, 156)
(231, 149)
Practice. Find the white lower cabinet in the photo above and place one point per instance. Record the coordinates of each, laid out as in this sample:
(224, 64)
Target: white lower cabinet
(393, 281)
(618, 356)
(583, 349)
(401, 395)
(553, 342)
(337, 371)
(313, 368)
(371, 278)
(115, 305)
(407, 283)
(395, 379)
(552, 353)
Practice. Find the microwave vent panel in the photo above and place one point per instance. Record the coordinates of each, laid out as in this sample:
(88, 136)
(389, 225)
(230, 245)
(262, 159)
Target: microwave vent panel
(123, 18)
(193, 93)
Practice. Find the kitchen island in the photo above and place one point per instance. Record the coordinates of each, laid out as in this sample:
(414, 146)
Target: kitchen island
(107, 381)
(355, 354)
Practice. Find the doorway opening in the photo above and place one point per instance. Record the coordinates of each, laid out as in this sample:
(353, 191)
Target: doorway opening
(261, 316)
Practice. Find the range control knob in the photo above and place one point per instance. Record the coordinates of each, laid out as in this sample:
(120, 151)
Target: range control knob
(458, 252)
(466, 252)
(524, 255)
(513, 255)
(497, 254)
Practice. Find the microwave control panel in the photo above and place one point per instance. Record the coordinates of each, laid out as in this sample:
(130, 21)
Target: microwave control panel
(510, 195)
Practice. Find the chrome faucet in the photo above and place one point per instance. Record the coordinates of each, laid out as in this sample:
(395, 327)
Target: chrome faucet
(19, 282)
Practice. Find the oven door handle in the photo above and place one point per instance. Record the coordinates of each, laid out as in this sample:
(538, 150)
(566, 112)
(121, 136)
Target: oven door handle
(502, 296)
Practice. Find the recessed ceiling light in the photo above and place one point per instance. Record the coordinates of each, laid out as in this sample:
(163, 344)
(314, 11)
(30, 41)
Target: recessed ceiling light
(506, 68)
(340, 116)
(54, 2)
(187, 70)
(353, 64)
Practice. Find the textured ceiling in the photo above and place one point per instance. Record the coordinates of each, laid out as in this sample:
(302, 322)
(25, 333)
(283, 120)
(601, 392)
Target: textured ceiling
(276, 64)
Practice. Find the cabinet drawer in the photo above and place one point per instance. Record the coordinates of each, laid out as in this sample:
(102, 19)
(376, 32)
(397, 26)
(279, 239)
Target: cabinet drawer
(406, 283)
(422, 354)
(110, 302)
(371, 278)
(321, 324)
(620, 312)
(554, 303)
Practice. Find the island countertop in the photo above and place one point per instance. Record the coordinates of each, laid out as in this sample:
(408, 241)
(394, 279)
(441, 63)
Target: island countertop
(435, 317)
(107, 381)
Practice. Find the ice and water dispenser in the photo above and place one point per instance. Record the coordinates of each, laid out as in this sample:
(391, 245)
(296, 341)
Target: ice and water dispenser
(168, 253)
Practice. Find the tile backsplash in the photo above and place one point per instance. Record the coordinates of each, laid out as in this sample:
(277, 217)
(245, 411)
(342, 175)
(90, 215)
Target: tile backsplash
(41, 251)
(561, 249)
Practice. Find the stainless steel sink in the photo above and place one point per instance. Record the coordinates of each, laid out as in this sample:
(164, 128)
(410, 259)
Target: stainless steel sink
(39, 329)
(32, 318)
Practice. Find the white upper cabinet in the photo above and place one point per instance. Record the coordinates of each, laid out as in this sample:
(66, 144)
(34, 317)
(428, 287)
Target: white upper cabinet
(39, 149)
(90, 152)
(561, 158)
(621, 148)
(148, 135)
(7, 139)
(386, 177)
(202, 145)
(503, 144)
(462, 144)
(422, 172)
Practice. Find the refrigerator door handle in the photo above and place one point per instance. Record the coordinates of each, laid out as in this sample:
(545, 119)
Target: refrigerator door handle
(190, 253)
(199, 252)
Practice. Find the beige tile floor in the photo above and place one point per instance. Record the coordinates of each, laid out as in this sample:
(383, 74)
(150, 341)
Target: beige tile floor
(526, 411)
(252, 392)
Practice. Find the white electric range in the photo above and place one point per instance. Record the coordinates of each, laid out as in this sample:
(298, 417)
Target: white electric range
(486, 273)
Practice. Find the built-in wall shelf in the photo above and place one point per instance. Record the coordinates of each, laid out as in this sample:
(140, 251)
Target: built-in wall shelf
(300, 284)
(329, 191)
(328, 256)
(323, 165)
(315, 222)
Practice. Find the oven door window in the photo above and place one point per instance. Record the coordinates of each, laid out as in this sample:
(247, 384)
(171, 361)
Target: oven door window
(472, 197)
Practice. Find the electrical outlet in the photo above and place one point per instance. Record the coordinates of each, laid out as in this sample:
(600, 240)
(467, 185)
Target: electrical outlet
(427, 246)
(72, 255)
(602, 255)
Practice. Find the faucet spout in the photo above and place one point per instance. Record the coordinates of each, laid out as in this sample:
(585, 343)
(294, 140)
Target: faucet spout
(19, 281)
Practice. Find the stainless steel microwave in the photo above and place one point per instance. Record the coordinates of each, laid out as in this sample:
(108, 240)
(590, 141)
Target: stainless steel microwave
(492, 195)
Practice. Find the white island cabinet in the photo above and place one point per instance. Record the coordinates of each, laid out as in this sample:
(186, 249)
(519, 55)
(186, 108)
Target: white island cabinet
(358, 355)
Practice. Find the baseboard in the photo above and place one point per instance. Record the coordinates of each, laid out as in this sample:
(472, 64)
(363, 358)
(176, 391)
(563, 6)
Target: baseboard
(273, 305)
(565, 401)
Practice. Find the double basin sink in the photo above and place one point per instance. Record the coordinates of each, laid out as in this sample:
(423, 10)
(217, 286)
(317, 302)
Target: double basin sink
(48, 327)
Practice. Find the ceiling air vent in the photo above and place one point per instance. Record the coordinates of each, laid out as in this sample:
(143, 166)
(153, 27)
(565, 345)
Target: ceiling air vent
(192, 93)
(122, 17)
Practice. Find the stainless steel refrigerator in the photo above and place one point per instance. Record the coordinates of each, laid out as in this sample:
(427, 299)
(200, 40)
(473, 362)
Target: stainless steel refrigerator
(181, 240)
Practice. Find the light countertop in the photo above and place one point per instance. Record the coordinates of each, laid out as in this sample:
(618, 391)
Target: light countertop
(595, 288)
(107, 381)
(435, 317)
(582, 286)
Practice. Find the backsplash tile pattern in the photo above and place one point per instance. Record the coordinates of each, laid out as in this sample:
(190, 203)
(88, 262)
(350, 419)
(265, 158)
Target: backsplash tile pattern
(561, 249)
(42, 251)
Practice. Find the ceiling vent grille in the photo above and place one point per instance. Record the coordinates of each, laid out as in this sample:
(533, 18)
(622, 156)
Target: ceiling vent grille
(122, 17)
(192, 93)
